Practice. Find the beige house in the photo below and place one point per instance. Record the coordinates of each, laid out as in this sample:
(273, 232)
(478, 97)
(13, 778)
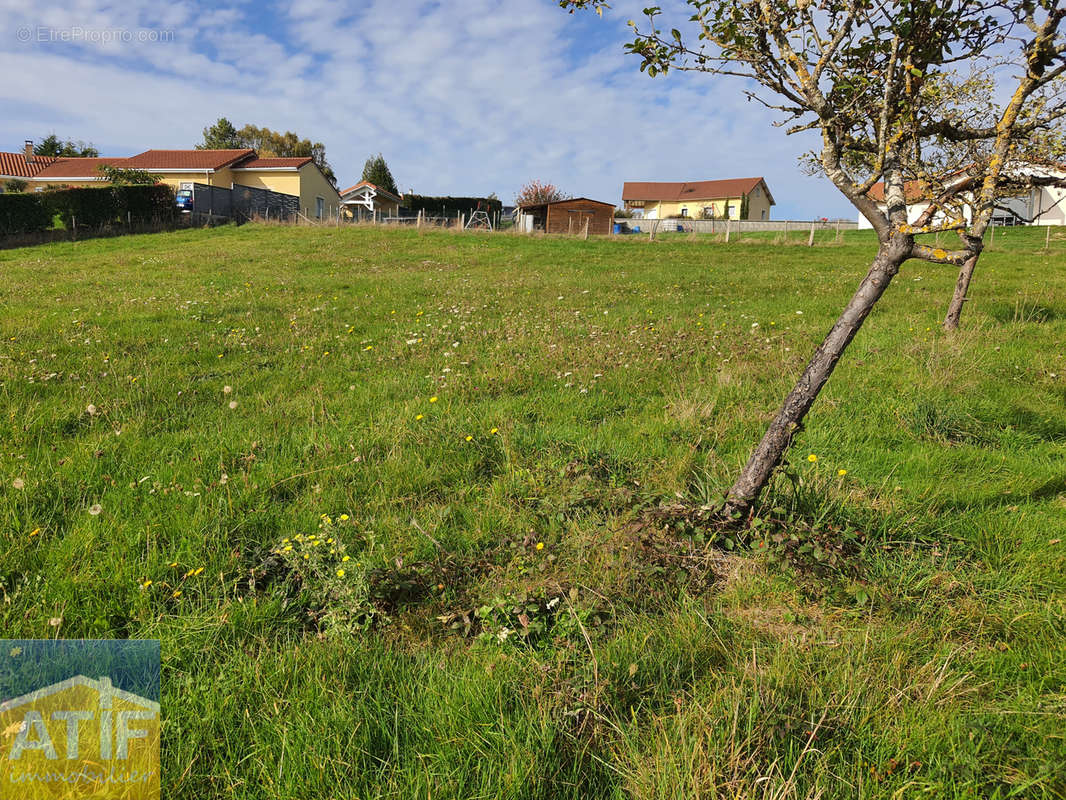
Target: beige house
(733, 198)
(179, 169)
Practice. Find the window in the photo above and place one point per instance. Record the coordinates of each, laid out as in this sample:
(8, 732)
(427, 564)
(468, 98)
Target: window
(731, 212)
(708, 212)
(684, 211)
(320, 207)
(764, 213)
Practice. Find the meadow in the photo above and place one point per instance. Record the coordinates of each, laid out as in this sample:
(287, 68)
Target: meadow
(422, 514)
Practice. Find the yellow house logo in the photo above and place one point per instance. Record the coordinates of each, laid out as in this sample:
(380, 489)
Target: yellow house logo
(79, 738)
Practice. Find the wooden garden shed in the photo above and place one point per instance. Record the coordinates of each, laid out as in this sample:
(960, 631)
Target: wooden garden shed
(571, 216)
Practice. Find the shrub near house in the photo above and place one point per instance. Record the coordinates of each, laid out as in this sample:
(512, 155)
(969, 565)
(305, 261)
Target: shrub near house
(85, 207)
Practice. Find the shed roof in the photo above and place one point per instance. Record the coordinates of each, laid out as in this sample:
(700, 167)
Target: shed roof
(369, 185)
(567, 200)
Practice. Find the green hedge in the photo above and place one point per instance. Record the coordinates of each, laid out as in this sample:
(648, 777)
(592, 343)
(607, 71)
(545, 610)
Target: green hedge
(145, 203)
(23, 213)
(93, 207)
(450, 206)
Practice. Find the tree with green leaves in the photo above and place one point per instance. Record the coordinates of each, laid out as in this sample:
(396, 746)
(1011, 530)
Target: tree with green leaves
(377, 172)
(222, 135)
(15, 185)
(873, 79)
(52, 145)
(122, 176)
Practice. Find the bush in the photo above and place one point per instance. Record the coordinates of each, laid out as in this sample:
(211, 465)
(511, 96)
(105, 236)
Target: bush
(23, 213)
(86, 207)
(450, 206)
(94, 207)
(145, 203)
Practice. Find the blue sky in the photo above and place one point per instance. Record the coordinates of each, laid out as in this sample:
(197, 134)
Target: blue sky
(462, 98)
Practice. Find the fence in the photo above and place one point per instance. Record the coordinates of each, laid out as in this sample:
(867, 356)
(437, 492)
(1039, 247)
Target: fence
(250, 202)
(210, 203)
(241, 204)
(737, 225)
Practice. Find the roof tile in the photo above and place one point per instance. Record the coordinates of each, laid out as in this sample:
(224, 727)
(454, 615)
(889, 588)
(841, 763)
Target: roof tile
(689, 190)
(14, 165)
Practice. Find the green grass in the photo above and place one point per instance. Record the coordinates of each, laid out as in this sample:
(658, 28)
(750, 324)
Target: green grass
(597, 382)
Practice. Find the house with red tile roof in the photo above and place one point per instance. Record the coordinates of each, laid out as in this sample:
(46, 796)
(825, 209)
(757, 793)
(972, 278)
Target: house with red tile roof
(22, 166)
(180, 169)
(1038, 205)
(732, 198)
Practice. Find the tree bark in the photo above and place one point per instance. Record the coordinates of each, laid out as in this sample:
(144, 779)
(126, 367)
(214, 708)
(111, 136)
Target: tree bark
(962, 286)
(766, 457)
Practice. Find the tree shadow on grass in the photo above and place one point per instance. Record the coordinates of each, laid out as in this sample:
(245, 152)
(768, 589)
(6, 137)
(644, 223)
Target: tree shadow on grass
(1026, 311)
(1046, 491)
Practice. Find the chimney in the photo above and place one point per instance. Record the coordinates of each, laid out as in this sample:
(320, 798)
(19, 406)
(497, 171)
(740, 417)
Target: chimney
(28, 151)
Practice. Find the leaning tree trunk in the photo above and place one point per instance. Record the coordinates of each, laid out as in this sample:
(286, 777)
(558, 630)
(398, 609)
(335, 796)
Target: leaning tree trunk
(756, 474)
(962, 286)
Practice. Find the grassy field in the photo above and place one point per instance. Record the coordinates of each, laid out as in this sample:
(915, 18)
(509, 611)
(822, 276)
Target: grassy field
(417, 514)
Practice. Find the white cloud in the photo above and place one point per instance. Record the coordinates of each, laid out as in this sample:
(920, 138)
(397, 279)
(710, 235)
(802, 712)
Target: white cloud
(459, 102)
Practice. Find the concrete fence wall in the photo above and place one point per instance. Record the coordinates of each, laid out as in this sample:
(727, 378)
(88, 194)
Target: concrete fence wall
(737, 226)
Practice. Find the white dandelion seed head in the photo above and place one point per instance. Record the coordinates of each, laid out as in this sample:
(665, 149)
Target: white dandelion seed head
(18, 483)
(91, 409)
(95, 509)
(227, 389)
(232, 404)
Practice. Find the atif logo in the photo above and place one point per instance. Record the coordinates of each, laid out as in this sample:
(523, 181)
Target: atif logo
(79, 738)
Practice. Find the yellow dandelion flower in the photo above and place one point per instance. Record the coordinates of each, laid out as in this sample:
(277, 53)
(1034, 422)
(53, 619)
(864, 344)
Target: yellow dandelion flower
(540, 545)
(306, 556)
(340, 573)
(146, 584)
(176, 593)
(346, 558)
(34, 532)
(494, 431)
(469, 438)
(433, 399)
(287, 549)
(812, 458)
(343, 518)
(420, 416)
(842, 472)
